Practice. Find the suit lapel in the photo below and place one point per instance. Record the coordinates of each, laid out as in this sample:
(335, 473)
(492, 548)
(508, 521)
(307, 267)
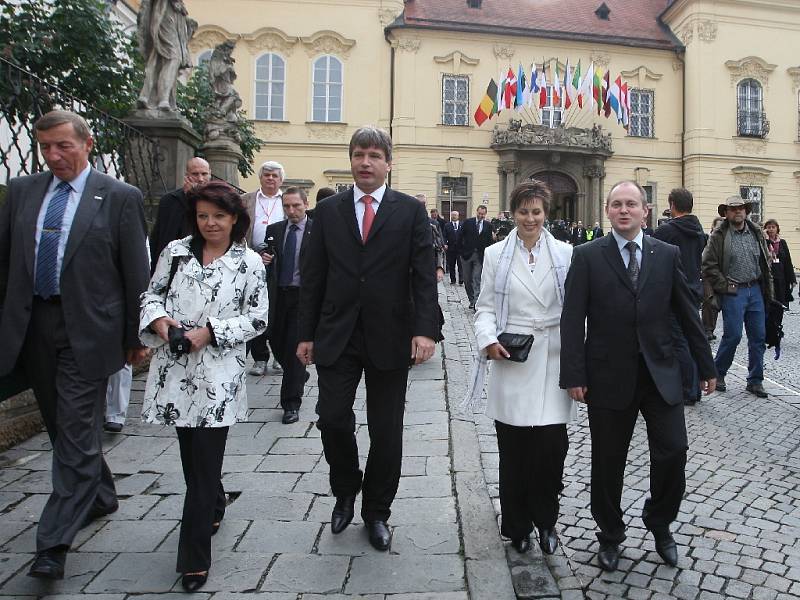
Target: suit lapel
(30, 215)
(614, 258)
(90, 202)
(347, 210)
(521, 270)
(648, 257)
(280, 237)
(387, 207)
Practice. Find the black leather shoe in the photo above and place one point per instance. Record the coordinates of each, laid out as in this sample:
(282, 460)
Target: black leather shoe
(49, 564)
(379, 535)
(608, 556)
(755, 388)
(290, 416)
(721, 387)
(667, 548)
(112, 427)
(548, 540)
(522, 545)
(342, 513)
(193, 582)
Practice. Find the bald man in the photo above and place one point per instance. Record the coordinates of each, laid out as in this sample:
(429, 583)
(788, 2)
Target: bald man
(172, 209)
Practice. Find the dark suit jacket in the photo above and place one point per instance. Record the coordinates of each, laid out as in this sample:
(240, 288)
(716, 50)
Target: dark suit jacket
(471, 241)
(452, 237)
(622, 322)
(172, 223)
(277, 231)
(104, 271)
(387, 284)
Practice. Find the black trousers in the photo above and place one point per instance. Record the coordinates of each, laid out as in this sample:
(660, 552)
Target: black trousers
(202, 451)
(284, 339)
(611, 436)
(453, 263)
(258, 349)
(386, 393)
(531, 473)
(73, 409)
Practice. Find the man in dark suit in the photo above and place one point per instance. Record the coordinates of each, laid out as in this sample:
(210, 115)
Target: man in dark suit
(624, 287)
(452, 246)
(289, 239)
(72, 266)
(578, 235)
(367, 306)
(171, 219)
(477, 235)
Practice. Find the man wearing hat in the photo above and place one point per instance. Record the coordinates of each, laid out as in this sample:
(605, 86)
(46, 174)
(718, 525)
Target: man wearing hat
(736, 265)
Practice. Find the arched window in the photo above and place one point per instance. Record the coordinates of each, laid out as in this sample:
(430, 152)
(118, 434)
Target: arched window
(327, 90)
(270, 87)
(204, 57)
(750, 109)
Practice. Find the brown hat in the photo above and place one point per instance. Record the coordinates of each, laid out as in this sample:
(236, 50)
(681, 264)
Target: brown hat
(732, 202)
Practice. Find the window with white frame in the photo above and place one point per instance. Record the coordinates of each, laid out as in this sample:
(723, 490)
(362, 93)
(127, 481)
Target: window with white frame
(641, 117)
(552, 116)
(343, 187)
(270, 87)
(327, 90)
(754, 194)
(750, 109)
(455, 100)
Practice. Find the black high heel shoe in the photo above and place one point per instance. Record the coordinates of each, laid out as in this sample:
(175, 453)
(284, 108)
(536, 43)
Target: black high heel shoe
(192, 582)
(215, 527)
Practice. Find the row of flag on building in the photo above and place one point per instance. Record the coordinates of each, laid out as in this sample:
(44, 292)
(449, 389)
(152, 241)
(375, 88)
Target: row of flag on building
(591, 89)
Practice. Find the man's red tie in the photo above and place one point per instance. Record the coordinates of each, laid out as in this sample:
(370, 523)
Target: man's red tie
(369, 217)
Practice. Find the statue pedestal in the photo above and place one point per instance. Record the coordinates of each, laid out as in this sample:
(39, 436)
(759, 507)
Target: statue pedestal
(177, 143)
(223, 154)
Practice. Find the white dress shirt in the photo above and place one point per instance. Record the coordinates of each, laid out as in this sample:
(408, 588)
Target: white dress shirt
(268, 210)
(78, 184)
(377, 198)
(626, 256)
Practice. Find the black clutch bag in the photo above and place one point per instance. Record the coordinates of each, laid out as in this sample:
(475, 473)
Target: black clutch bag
(518, 345)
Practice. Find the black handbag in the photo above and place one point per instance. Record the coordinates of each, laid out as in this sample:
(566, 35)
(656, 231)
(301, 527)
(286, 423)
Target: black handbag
(518, 345)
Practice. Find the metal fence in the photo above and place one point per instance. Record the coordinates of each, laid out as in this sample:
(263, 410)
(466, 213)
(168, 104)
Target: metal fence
(119, 149)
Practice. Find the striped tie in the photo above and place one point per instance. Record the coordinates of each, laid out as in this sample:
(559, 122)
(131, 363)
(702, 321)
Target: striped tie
(47, 256)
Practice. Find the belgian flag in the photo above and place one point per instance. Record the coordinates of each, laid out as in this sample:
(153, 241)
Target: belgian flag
(488, 106)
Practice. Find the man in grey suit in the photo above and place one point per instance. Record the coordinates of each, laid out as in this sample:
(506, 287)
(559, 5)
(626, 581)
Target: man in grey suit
(72, 266)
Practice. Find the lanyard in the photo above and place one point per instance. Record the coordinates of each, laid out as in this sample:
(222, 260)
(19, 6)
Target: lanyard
(269, 212)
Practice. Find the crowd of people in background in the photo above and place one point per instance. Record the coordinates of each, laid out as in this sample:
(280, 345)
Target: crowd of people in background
(563, 314)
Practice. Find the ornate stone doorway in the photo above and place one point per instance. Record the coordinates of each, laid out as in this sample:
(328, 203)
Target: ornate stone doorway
(565, 195)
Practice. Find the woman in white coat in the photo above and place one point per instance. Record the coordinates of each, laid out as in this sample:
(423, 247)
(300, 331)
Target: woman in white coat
(522, 291)
(214, 287)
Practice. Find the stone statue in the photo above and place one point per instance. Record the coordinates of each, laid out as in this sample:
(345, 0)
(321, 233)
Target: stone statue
(164, 31)
(222, 121)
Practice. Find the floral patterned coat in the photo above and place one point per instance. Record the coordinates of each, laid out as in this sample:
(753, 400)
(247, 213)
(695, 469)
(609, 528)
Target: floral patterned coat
(205, 388)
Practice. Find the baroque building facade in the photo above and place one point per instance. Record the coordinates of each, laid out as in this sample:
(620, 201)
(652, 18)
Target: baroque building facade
(715, 96)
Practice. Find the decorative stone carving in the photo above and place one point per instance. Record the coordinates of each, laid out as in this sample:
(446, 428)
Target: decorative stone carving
(750, 175)
(707, 30)
(327, 131)
(600, 59)
(677, 65)
(328, 42)
(594, 172)
(794, 73)
(750, 67)
(456, 58)
(269, 130)
(686, 35)
(227, 102)
(640, 74)
(407, 45)
(210, 36)
(270, 39)
(164, 30)
(387, 16)
(504, 51)
(749, 147)
(516, 133)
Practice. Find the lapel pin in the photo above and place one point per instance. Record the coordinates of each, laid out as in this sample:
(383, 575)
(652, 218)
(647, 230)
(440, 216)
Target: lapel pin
(98, 197)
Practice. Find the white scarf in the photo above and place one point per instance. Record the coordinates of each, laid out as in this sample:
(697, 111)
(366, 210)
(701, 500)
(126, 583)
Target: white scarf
(473, 400)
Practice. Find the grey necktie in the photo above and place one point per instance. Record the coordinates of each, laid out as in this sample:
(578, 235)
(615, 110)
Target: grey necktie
(633, 264)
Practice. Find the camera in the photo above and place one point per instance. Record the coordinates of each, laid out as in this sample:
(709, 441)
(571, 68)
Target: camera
(267, 246)
(179, 344)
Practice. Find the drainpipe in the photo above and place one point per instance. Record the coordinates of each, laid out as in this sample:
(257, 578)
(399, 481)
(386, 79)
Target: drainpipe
(679, 55)
(391, 100)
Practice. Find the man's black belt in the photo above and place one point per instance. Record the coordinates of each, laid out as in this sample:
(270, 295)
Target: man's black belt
(749, 283)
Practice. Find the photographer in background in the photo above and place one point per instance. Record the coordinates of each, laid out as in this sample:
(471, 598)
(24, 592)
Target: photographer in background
(207, 297)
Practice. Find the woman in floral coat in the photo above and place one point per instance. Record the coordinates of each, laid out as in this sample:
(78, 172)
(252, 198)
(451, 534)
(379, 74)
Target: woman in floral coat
(214, 287)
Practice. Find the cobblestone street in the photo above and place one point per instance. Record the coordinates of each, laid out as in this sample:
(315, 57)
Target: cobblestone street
(737, 532)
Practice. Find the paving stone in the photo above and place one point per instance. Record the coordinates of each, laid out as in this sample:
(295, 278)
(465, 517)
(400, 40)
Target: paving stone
(425, 539)
(295, 537)
(407, 511)
(487, 580)
(401, 574)
(438, 486)
(10, 564)
(259, 483)
(79, 570)
(353, 541)
(129, 536)
(286, 507)
(136, 573)
(307, 574)
(288, 463)
(225, 540)
(234, 571)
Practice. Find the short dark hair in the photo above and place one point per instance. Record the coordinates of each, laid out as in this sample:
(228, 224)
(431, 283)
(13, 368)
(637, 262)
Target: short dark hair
(296, 190)
(54, 118)
(325, 192)
(772, 222)
(642, 193)
(682, 200)
(530, 190)
(372, 137)
(220, 194)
